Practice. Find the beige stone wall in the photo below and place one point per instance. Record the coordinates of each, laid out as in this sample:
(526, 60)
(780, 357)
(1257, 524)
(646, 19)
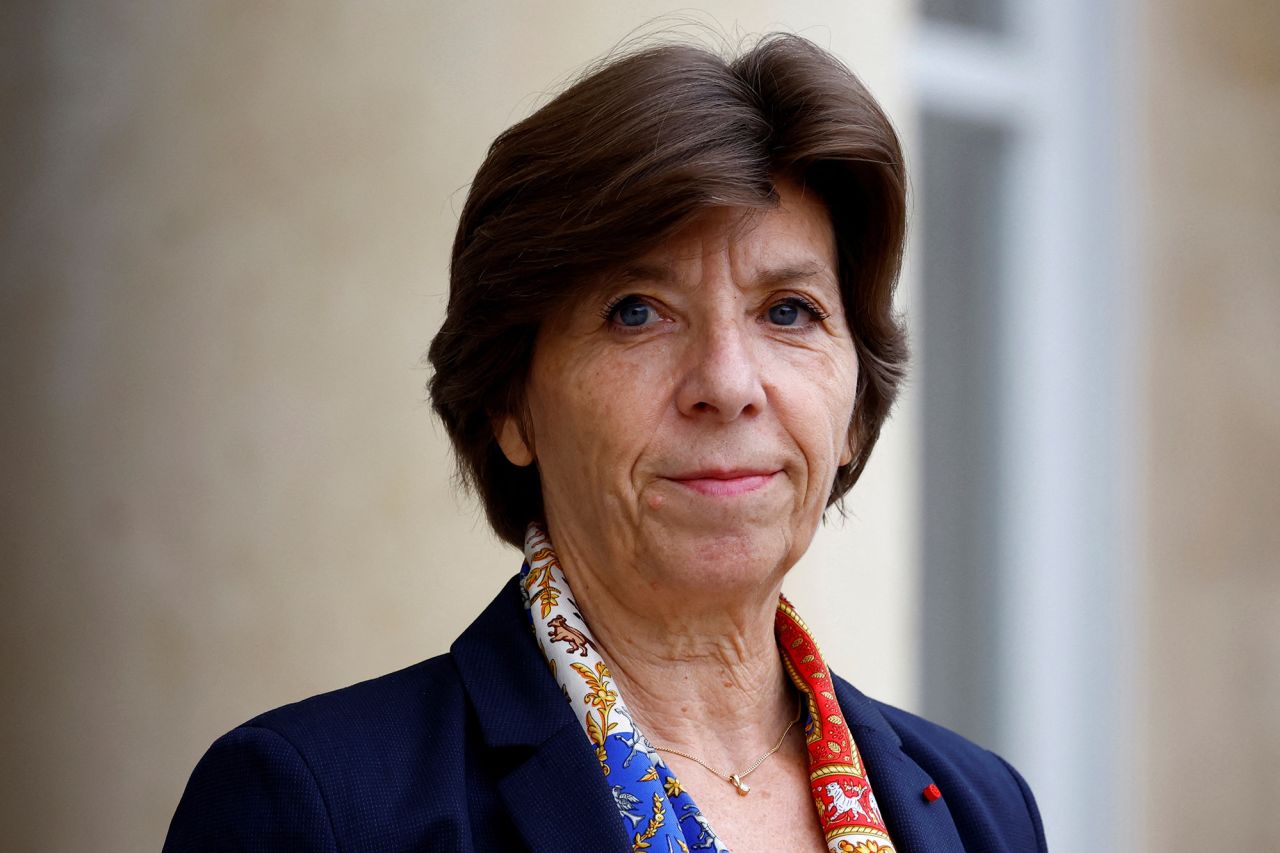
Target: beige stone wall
(224, 240)
(1212, 211)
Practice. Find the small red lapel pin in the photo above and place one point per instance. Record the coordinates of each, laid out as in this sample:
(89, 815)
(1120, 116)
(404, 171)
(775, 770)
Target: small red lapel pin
(931, 793)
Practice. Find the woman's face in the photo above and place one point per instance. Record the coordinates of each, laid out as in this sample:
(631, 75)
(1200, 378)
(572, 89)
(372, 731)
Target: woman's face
(688, 416)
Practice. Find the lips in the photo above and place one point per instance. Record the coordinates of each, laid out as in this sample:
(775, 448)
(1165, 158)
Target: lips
(721, 482)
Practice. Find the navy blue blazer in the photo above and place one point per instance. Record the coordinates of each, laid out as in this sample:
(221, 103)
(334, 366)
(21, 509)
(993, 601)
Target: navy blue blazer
(477, 750)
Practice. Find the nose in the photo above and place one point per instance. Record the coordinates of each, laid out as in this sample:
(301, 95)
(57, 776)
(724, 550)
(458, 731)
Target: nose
(722, 378)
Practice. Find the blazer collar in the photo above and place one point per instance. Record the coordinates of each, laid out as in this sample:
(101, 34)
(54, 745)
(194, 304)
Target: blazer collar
(551, 780)
(915, 824)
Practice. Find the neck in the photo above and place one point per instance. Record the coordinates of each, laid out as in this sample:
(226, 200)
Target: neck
(699, 672)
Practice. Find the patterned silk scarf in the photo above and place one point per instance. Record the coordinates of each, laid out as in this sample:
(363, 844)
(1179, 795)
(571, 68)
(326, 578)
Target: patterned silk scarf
(657, 813)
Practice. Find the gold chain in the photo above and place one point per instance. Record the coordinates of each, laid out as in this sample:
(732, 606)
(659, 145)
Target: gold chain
(735, 779)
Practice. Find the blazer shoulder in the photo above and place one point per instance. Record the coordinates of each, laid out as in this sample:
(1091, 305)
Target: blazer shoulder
(418, 696)
(252, 790)
(981, 788)
(919, 734)
(333, 767)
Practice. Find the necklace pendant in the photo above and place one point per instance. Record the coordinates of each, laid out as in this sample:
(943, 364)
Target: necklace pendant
(743, 787)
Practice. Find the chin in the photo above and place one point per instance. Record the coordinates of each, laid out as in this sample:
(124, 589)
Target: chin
(725, 561)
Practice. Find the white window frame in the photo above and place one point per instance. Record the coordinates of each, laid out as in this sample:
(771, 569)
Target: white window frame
(1070, 524)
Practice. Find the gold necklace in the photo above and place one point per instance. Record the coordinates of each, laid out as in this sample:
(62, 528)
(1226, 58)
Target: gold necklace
(735, 779)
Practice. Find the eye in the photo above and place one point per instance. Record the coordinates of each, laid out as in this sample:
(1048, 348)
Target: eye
(629, 312)
(794, 311)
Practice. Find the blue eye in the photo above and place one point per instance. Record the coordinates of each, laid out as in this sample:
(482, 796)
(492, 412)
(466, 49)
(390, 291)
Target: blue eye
(784, 313)
(630, 311)
(795, 311)
(635, 314)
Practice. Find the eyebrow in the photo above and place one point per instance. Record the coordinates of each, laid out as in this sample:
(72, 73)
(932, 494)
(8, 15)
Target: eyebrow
(783, 275)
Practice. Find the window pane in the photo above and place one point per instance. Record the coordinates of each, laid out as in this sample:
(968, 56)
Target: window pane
(962, 208)
(989, 15)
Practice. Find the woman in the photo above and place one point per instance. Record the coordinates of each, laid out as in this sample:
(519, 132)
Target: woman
(670, 346)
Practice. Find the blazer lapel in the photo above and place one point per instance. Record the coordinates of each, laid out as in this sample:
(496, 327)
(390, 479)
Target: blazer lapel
(550, 778)
(915, 824)
(558, 801)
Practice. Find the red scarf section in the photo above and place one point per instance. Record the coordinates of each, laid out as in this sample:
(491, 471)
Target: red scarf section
(842, 793)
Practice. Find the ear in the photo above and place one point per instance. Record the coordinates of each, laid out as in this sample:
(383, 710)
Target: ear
(846, 453)
(511, 438)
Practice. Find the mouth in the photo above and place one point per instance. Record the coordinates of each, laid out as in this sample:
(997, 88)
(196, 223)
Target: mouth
(726, 483)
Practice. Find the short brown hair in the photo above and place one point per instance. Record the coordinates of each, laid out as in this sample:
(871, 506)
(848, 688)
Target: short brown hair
(623, 159)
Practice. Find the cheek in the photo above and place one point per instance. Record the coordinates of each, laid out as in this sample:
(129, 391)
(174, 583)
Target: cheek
(595, 413)
(825, 385)
(844, 393)
(625, 405)
(825, 414)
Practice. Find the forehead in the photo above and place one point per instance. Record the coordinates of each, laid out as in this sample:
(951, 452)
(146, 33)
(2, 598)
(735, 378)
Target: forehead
(793, 236)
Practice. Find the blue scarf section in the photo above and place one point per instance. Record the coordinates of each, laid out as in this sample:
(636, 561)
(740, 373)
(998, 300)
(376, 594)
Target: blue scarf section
(657, 813)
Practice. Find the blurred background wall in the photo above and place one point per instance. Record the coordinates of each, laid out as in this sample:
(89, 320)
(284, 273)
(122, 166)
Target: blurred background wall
(224, 240)
(1211, 717)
